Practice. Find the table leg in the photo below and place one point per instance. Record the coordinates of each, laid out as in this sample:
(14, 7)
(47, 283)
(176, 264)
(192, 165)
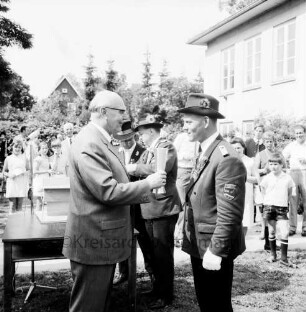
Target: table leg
(132, 275)
(8, 275)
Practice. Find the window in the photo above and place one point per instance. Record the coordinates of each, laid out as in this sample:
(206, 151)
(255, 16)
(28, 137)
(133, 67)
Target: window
(284, 51)
(252, 62)
(226, 127)
(228, 70)
(64, 90)
(247, 128)
(71, 107)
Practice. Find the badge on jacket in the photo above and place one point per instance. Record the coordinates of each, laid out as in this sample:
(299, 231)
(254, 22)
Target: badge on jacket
(230, 191)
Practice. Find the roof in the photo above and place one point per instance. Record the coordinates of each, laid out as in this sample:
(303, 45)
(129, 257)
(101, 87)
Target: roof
(71, 84)
(253, 10)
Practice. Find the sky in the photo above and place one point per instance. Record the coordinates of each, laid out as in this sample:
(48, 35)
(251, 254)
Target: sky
(66, 31)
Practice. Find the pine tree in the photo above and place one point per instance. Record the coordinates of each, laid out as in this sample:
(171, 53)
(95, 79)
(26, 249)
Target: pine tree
(147, 76)
(91, 81)
(112, 78)
(163, 75)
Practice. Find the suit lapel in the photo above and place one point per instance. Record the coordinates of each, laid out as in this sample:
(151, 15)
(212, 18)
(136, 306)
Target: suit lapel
(206, 158)
(110, 147)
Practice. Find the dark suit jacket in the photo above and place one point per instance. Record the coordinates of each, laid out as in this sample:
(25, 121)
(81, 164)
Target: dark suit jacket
(251, 148)
(169, 203)
(215, 204)
(98, 229)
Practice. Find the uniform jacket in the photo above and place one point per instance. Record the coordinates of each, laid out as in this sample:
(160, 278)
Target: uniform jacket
(215, 204)
(251, 148)
(98, 229)
(168, 203)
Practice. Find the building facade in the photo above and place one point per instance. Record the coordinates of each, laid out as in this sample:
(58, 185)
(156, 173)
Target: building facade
(255, 62)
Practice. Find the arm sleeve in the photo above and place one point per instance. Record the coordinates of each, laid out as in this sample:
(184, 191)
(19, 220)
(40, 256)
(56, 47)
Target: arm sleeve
(230, 194)
(97, 175)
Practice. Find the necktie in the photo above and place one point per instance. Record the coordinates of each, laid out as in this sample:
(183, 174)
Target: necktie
(70, 139)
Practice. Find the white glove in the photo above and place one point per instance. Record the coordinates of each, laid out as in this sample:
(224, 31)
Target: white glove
(211, 261)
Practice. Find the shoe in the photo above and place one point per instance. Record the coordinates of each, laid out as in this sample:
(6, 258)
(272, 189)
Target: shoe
(121, 278)
(272, 259)
(159, 304)
(303, 233)
(291, 233)
(288, 264)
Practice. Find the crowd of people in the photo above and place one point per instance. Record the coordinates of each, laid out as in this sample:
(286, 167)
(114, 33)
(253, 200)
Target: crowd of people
(27, 159)
(206, 189)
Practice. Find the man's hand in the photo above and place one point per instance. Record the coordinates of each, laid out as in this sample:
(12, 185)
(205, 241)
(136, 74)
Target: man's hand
(131, 168)
(211, 261)
(157, 179)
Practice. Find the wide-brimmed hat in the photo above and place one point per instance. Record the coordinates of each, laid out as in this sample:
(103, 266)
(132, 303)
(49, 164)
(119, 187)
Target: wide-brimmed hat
(126, 132)
(149, 122)
(202, 104)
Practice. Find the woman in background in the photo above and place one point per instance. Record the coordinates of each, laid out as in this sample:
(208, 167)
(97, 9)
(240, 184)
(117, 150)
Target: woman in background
(41, 170)
(248, 215)
(15, 171)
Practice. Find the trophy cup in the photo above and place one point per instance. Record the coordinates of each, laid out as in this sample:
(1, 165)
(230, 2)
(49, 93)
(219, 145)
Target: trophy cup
(161, 155)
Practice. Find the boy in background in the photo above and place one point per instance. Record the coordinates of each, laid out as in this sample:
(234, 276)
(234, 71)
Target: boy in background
(277, 187)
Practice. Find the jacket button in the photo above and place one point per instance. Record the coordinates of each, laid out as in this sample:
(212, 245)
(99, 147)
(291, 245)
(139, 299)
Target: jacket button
(195, 193)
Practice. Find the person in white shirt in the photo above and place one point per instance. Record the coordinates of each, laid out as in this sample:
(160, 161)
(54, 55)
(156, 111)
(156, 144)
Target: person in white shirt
(66, 144)
(277, 189)
(295, 155)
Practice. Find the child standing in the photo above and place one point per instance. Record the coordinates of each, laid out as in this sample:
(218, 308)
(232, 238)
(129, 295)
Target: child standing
(277, 189)
(58, 163)
(41, 170)
(15, 170)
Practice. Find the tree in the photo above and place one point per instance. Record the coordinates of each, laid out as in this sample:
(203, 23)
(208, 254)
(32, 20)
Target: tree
(163, 75)
(112, 78)
(147, 76)
(10, 34)
(92, 81)
(233, 6)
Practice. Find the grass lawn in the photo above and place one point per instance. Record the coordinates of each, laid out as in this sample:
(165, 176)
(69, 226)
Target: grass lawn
(257, 286)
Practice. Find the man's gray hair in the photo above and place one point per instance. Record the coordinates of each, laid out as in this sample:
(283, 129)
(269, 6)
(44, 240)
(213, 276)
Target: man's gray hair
(67, 125)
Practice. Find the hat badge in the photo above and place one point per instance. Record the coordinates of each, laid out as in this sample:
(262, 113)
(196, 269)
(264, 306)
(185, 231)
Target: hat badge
(150, 119)
(205, 103)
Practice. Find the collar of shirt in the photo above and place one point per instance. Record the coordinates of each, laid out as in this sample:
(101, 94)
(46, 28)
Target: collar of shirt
(205, 144)
(153, 144)
(258, 141)
(103, 131)
(128, 153)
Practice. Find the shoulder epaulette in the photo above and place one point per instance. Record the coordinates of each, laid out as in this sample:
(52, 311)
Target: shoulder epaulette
(223, 150)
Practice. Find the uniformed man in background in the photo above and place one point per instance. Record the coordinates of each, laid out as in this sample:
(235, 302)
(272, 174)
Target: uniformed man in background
(213, 232)
(161, 213)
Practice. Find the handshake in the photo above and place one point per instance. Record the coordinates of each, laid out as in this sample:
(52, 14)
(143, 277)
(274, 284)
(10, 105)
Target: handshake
(157, 179)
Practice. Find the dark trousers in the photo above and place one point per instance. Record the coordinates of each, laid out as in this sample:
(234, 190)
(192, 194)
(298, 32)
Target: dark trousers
(91, 288)
(143, 241)
(213, 288)
(161, 233)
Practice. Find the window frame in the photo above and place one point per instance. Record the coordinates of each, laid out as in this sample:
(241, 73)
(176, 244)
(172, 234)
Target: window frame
(254, 84)
(228, 89)
(285, 75)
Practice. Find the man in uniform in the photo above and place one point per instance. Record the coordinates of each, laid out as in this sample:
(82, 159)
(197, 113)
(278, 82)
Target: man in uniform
(160, 215)
(132, 151)
(213, 233)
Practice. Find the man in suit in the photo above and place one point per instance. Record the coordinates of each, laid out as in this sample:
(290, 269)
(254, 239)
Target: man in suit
(255, 145)
(66, 144)
(98, 231)
(160, 215)
(213, 233)
(132, 152)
